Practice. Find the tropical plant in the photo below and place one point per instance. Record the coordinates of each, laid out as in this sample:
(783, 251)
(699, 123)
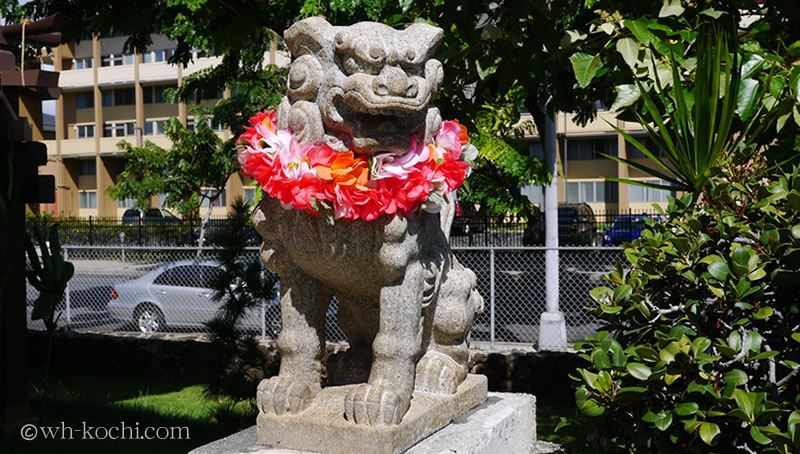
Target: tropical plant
(694, 129)
(49, 273)
(700, 348)
(239, 362)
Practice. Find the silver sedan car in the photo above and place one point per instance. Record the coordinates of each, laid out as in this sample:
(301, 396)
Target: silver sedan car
(180, 294)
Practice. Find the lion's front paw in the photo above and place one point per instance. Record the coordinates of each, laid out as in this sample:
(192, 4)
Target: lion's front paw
(375, 405)
(438, 373)
(280, 395)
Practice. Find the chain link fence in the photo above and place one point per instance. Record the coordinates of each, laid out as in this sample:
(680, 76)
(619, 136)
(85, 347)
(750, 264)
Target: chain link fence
(167, 289)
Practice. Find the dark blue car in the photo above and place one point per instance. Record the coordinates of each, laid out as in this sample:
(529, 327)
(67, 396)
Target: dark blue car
(626, 227)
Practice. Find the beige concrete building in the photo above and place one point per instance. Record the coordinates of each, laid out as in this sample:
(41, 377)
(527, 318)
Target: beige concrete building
(110, 96)
(584, 168)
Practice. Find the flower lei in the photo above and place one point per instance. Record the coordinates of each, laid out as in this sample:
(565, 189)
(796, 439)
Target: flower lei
(350, 186)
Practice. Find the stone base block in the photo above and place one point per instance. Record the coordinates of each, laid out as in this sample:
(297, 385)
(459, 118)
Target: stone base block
(504, 423)
(323, 428)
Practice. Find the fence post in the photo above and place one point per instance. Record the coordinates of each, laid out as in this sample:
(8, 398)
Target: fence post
(122, 245)
(552, 327)
(91, 239)
(491, 297)
(66, 294)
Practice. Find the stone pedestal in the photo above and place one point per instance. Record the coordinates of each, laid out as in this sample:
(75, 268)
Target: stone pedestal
(504, 423)
(323, 428)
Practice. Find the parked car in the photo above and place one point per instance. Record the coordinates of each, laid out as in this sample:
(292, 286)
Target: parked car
(625, 227)
(180, 294)
(577, 226)
(467, 219)
(134, 216)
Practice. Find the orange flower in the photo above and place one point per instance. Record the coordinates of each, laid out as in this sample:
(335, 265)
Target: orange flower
(346, 170)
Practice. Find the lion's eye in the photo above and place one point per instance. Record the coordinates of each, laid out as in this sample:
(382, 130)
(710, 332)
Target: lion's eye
(376, 53)
(351, 66)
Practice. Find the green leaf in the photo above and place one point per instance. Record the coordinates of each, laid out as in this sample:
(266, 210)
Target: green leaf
(639, 29)
(796, 337)
(671, 8)
(711, 12)
(781, 121)
(602, 295)
(719, 270)
(748, 99)
(744, 402)
(686, 408)
(585, 67)
(760, 438)
(587, 404)
(735, 340)
(600, 359)
(735, 376)
(627, 94)
(740, 260)
(639, 370)
(622, 292)
(664, 422)
(708, 430)
(629, 49)
(763, 313)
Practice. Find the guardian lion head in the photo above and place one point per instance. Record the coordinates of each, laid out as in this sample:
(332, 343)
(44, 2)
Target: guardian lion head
(365, 87)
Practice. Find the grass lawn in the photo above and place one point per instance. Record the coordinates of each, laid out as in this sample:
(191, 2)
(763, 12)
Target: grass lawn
(105, 402)
(110, 401)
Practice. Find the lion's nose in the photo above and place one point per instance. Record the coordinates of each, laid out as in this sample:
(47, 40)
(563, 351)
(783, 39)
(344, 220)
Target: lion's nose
(393, 81)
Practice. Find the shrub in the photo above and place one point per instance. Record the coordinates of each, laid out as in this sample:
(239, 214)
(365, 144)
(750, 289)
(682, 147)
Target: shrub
(700, 348)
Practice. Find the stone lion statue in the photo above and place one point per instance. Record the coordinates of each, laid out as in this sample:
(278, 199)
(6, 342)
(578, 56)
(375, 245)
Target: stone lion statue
(406, 304)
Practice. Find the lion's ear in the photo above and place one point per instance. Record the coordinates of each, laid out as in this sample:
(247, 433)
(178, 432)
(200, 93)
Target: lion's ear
(426, 38)
(313, 35)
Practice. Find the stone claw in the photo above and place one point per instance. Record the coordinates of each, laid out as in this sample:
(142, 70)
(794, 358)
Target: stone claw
(280, 395)
(438, 373)
(375, 405)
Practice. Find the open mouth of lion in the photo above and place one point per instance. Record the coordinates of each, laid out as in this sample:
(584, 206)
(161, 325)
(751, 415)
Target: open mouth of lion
(385, 132)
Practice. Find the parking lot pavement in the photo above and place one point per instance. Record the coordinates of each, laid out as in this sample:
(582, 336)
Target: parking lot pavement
(111, 267)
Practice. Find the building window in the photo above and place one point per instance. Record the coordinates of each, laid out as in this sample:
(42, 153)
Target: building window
(148, 128)
(84, 99)
(249, 195)
(108, 99)
(159, 92)
(88, 199)
(583, 149)
(158, 55)
(190, 123)
(87, 167)
(160, 127)
(115, 60)
(119, 129)
(124, 96)
(126, 203)
(219, 201)
(648, 143)
(642, 194)
(82, 63)
(85, 131)
(592, 191)
(147, 95)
